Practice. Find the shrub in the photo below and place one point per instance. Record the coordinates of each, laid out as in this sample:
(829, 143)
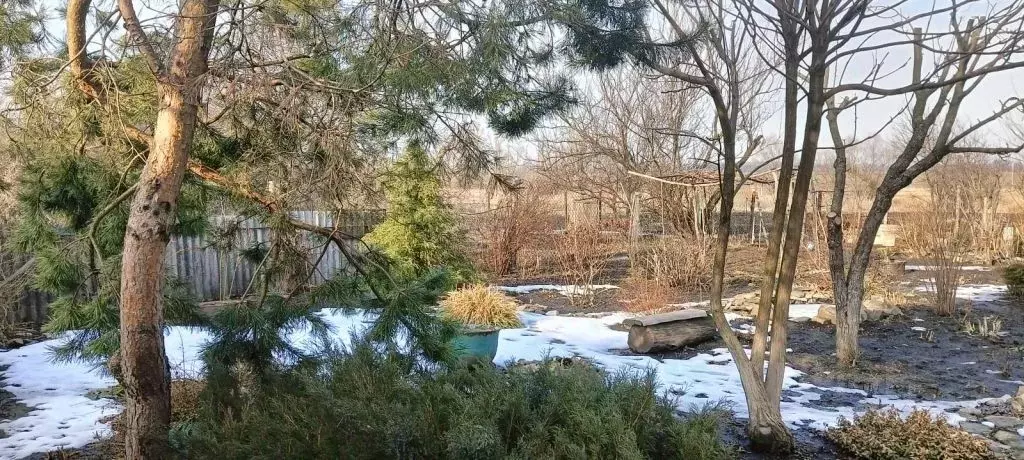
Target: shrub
(480, 305)
(581, 255)
(682, 263)
(367, 404)
(185, 407)
(644, 295)
(883, 435)
(518, 222)
(185, 399)
(420, 232)
(1014, 276)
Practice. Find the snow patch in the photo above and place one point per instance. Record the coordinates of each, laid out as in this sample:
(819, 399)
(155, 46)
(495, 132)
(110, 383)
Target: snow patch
(62, 416)
(807, 310)
(566, 290)
(968, 268)
(60, 413)
(975, 292)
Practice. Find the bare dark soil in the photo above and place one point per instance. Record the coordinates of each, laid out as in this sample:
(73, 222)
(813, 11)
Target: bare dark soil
(941, 363)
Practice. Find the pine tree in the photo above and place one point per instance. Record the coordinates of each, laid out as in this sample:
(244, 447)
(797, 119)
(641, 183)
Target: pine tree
(308, 94)
(421, 232)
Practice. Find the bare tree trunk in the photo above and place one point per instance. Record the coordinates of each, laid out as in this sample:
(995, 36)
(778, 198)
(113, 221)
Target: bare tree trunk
(770, 269)
(143, 361)
(846, 330)
(848, 285)
(794, 231)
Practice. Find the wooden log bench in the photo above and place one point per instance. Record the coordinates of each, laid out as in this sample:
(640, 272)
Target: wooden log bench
(669, 331)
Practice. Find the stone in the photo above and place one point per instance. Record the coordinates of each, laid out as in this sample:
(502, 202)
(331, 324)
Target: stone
(826, 315)
(736, 306)
(969, 412)
(996, 402)
(997, 447)
(1018, 400)
(747, 296)
(533, 308)
(551, 313)
(1003, 421)
(873, 310)
(871, 314)
(975, 428)
(1010, 439)
(800, 319)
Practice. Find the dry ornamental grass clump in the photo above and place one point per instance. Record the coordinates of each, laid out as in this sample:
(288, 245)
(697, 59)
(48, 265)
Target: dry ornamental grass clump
(884, 435)
(480, 305)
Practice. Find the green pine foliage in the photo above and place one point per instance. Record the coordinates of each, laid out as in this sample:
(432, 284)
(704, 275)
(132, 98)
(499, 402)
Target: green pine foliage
(1014, 277)
(73, 207)
(21, 27)
(421, 232)
(374, 404)
(404, 318)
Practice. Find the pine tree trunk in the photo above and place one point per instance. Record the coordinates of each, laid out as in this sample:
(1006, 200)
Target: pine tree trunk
(143, 361)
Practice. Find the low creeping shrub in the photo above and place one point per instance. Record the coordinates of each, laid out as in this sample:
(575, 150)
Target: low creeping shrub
(368, 404)
(884, 435)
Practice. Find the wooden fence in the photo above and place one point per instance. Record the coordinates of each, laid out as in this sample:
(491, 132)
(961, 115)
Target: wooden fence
(220, 273)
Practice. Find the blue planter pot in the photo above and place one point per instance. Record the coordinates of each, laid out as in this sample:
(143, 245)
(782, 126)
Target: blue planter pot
(481, 344)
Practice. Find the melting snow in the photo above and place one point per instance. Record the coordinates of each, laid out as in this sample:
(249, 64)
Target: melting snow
(966, 268)
(566, 290)
(976, 292)
(808, 310)
(62, 416)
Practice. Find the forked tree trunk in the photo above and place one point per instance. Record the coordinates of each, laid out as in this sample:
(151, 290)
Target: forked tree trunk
(143, 361)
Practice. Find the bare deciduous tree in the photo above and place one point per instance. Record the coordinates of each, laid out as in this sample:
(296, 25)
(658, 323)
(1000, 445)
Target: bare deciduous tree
(963, 56)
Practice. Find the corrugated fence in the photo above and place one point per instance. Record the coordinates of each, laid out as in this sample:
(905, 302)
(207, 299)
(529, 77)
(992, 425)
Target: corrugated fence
(219, 273)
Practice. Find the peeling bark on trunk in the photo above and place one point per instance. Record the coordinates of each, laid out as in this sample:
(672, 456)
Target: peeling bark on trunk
(144, 367)
(143, 361)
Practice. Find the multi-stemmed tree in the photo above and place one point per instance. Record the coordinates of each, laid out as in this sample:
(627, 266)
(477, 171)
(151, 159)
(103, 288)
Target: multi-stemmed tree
(719, 47)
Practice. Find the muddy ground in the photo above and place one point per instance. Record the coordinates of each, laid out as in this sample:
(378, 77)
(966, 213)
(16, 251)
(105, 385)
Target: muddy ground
(941, 363)
(945, 363)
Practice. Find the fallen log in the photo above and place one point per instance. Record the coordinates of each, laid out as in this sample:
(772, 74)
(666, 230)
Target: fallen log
(669, 331)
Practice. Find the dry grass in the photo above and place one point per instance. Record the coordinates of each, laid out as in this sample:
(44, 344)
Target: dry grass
(481, 306)
(185, 399)
(185, 403)
(885, 435)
